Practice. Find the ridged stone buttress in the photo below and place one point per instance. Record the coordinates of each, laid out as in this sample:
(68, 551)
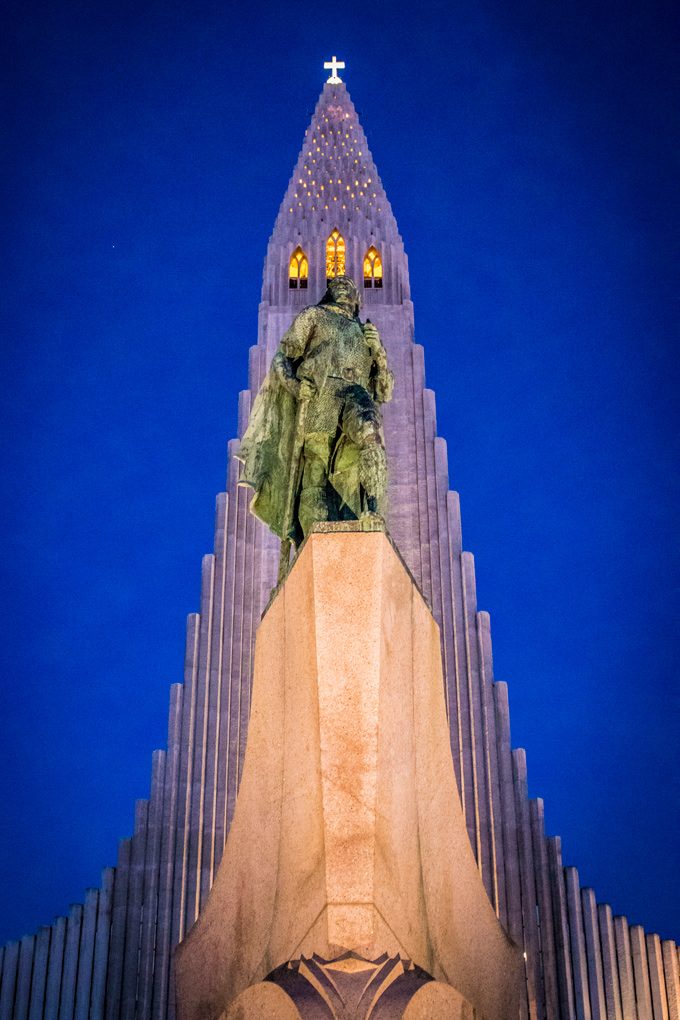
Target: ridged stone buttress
(111, 957)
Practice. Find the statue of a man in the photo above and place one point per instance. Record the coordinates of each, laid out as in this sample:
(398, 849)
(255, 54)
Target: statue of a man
(314, 448)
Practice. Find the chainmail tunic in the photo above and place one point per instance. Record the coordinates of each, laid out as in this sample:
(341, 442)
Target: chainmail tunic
(334, 356)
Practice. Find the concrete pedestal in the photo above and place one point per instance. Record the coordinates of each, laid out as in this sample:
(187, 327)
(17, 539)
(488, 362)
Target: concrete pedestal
(348, 833)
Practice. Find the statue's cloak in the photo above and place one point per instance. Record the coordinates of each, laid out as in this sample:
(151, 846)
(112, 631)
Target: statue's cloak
(266, 453)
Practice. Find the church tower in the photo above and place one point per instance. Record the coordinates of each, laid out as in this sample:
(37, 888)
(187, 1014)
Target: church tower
(111, 958)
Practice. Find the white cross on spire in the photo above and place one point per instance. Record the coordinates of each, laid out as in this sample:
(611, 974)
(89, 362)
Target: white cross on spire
(334, 66)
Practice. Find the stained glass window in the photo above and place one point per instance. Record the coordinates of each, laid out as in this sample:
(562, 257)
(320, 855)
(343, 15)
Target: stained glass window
(373, 269)
(335, 255)
(298, 269)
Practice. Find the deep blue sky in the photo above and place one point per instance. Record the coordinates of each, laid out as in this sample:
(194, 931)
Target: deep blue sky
(529, 150)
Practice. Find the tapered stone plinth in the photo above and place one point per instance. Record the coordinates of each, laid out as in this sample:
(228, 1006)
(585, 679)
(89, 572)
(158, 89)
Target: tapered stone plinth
(348, 833)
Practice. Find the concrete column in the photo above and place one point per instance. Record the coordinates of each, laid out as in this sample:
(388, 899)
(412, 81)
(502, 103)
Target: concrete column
(656, 978)
(624, 959)
(150, 887)
(232, 655)
(479, 804)
(466, 709)
(10, 965)
(39, 977)
(215, 709)
(226, 777)
(430, 431)
(444, 549)
(670, 970)
(510, 860)
(545, 912)
(495, 821)
(114, 977)
(254, 614)
(184, 777)
(197, 802)
(594, 955)
(417, 381)
(528, 885)
(101, 944)
(243, 411)
(565, 977)
(134, 911)
(251, 623)
(86, 956)
(54, 969)
(242, 650)
(71, 954)
(643, 994)
(577, 941)
(610, 971)
(167, 861)
(23, 989)
(454, 676)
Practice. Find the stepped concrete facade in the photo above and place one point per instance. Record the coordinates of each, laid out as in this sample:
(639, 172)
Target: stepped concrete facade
(111, 958)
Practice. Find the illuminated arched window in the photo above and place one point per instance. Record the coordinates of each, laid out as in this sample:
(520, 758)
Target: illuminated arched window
(298, 269)
(373, 273)
(335, 255)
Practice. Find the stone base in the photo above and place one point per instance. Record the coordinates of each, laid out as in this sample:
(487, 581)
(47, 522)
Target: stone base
(348, 833)
(349, 986)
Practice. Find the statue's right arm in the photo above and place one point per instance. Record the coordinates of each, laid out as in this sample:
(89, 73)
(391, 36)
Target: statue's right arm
(292, 347)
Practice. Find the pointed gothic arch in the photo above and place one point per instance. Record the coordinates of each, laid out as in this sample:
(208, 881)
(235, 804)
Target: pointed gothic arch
(298, 269)
(373, 268)
(335, 255)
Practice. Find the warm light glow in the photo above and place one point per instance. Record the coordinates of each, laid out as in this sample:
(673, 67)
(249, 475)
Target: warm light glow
(335, 255)
(373, 268)
(298, 269)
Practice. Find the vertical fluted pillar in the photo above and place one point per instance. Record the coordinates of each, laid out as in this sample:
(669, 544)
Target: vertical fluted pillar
(593, 954)
(197, 787)
(216, 684)
(39, 976)
(510, 861)
(70, 971)
(114, 976)
(624, 958)
(167, 855)
(494, 821)
(565, 977)
(10, 965)
(657, 982)
(545, 907)
(185, 777)
(577, 941)
(134, 908)
(643, 994)
(150, 877)
(101, 945)
(670, 970)
(86, 956)
(528, 885)
(23, 984)
(610, 974)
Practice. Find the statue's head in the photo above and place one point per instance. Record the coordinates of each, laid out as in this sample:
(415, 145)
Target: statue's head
(343, 291)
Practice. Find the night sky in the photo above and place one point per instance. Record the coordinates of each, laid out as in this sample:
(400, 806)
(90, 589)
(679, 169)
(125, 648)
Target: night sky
(529, 150)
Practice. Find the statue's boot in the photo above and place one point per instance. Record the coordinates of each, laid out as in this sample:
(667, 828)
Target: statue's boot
(313, 507)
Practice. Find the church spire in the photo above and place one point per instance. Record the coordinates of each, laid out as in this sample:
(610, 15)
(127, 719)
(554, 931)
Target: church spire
(335, 199)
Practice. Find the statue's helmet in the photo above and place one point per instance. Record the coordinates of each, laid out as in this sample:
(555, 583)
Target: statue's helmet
(342, 288)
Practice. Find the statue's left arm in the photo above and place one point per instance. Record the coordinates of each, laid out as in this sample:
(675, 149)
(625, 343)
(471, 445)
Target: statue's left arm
(382, 378)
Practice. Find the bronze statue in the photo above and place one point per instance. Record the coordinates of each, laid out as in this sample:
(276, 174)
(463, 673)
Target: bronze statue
(314, 448)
